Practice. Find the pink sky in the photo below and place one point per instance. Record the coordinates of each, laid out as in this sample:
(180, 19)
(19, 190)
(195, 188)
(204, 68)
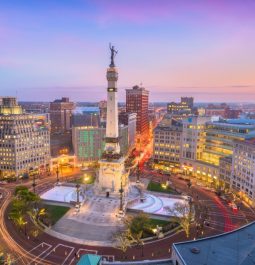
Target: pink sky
(199, 48)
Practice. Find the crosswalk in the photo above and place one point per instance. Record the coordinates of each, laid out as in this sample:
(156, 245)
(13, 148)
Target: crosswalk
(60, 254)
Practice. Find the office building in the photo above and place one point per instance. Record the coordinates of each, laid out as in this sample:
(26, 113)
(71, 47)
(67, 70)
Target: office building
(193, 137)
(243, 170)
(103, 110)
(220, 137)
(24, 145)
(89, 142)
(129, 119)
(60, 115)
(183, 108)
(203, 151)
(167, 144)
(225, 171)
(86, 116)
(223, 111)
(189, 101)
(137, 101)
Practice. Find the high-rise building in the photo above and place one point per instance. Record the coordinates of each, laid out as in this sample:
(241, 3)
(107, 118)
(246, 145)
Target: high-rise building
(183, 108)
(60, 115)
(167, 143)
(193, 137)
(189, 101)
(137, 101)
(24, 145)
(129, 119)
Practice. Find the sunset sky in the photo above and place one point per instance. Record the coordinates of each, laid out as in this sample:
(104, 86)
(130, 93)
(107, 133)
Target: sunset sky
(54, 48)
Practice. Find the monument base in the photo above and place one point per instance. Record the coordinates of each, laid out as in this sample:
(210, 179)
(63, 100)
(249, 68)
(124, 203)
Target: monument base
(112, 175)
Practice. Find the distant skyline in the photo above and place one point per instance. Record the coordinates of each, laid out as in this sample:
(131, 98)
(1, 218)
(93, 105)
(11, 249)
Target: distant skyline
(200, 48)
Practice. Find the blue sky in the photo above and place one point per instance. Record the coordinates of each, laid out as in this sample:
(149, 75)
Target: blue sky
(205, 49)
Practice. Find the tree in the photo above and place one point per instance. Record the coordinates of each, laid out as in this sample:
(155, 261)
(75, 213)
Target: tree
(19, 188)
(138, 224)
(34, 233)
(182, 214)
(1, 257)
(23, 204)
(123, 240)
(18, 219)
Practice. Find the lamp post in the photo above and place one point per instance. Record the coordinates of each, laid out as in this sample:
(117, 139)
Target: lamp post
(34, 183)
(78, 194)
(138, 165)
(57, 171)
(121, 198)
(138, 173)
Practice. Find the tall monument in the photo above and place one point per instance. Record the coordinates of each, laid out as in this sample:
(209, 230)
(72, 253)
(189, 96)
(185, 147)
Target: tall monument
(113, 178)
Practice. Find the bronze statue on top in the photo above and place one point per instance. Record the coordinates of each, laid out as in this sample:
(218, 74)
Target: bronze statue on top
(113, 54)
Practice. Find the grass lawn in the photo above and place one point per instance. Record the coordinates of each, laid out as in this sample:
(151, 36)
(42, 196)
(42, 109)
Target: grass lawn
(155, 222)
(155, 186)
(56, 212)
(166, 226)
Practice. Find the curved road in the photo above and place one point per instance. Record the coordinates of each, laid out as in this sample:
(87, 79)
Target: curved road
(49, 250)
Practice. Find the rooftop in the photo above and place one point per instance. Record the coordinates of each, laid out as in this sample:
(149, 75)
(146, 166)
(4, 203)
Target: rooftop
(236, 247)
(86, 110)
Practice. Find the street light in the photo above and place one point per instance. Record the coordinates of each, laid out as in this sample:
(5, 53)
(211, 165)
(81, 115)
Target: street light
(34, 183)
(138, 173)
(57, 171)
(78, 194)
(121, 198)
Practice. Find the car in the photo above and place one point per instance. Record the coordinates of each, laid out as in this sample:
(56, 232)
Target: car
(234, 208)
(223, 197)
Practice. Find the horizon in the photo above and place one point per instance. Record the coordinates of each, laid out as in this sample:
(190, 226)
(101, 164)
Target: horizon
(203, 49)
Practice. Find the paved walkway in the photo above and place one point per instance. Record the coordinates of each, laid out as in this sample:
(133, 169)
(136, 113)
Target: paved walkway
(96, 221)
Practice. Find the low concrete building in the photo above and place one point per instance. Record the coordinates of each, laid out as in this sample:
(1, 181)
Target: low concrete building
(233, 248)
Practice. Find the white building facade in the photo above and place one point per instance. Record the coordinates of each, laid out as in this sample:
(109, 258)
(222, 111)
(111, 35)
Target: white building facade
(243, 170)
(167, 144)
(24, 146)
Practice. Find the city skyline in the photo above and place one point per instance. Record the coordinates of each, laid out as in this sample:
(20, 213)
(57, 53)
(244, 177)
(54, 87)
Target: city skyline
(202, 49)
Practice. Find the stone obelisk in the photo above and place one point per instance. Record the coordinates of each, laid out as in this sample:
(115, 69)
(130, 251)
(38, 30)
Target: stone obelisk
(112, 175)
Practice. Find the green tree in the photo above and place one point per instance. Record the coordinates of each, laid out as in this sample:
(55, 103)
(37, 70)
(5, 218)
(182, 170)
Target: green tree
(138, 225)
(24, 204)
(182, 214)
(18, 219)
(19, 188)
(1, 257)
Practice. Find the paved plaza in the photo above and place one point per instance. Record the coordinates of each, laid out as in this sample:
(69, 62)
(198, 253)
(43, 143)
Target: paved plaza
(95, 222)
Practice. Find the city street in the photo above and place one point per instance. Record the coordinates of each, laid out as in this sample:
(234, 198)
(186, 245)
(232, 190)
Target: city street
(49, 249)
